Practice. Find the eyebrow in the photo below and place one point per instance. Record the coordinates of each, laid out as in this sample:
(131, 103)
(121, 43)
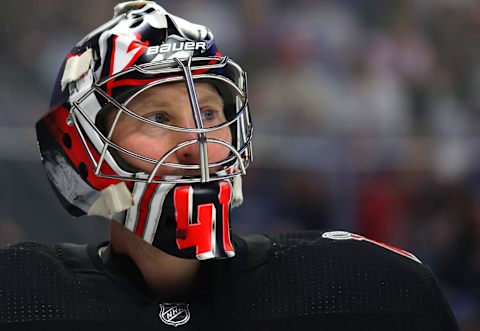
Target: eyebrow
(156, 103)
(210, 98)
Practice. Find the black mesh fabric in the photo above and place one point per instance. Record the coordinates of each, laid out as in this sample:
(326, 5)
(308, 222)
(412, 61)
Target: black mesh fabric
(295, 281)
(36, 286)
(309, 275)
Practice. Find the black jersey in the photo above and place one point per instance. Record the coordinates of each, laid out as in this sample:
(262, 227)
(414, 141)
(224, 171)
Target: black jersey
(301, 281)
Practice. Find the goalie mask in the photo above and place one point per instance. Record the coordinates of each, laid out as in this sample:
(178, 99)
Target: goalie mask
(149, 126)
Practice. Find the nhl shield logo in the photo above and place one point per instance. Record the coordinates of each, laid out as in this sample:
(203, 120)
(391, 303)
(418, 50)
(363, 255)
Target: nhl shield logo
(174, 314)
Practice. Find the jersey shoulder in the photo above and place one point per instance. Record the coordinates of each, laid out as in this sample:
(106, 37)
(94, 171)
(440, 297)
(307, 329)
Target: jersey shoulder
(359, 243)
(312, 273)
(36, 286)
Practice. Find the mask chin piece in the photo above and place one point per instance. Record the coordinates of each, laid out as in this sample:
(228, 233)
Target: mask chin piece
(195, 221)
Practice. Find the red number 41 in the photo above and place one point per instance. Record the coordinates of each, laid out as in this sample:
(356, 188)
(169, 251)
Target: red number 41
(208, 234)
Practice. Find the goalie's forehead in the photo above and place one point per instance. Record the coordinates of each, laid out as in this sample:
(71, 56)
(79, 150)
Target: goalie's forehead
(171, 94)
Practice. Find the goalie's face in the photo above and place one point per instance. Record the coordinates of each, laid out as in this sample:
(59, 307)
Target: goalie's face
(169, 104)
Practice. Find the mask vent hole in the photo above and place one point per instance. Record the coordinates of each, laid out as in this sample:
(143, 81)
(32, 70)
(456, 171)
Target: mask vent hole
(136, 23)
(82, 168)
(67, 141)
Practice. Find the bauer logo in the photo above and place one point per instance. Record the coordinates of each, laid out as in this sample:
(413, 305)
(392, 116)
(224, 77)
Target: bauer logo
(177, 47)
(174, 314)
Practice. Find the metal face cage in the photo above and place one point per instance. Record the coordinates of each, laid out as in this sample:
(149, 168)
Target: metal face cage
(220, 71)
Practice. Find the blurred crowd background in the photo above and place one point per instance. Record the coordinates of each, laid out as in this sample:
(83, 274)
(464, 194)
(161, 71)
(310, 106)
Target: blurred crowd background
(366, 117)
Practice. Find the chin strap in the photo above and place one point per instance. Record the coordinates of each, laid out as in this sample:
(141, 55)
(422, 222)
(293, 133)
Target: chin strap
(237, 192)
(112, 200)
